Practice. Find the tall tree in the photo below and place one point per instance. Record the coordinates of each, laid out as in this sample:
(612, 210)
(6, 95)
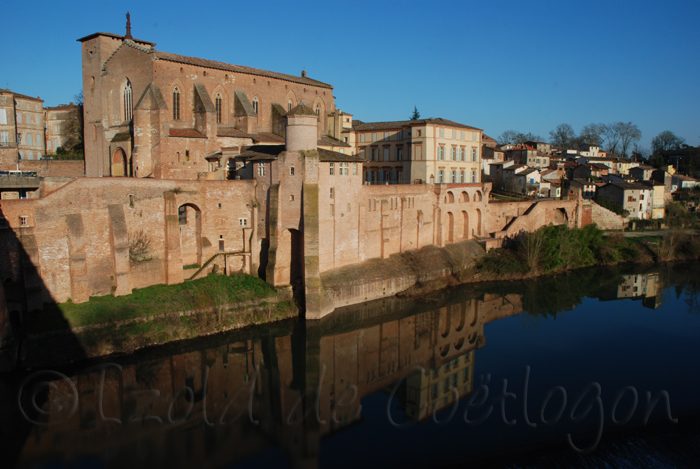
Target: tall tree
(666, 141)
(416, 115)
(563, 137)
(629, 134)
(592, 134)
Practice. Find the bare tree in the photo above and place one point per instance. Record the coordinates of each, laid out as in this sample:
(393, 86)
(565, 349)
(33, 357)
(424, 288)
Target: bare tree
(592, 134)
(563, 136)
(629, 134)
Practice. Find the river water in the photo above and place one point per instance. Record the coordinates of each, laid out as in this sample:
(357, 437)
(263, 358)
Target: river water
(597, 368)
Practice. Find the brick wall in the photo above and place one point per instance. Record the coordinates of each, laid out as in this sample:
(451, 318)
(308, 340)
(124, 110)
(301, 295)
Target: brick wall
(54, 168)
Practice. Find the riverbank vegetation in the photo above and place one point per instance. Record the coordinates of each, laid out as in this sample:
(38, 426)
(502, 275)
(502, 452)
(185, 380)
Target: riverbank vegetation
(560, 248)
(208, 293)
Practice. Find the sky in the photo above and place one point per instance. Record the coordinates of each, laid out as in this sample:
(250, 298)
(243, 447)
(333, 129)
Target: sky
(496, 65)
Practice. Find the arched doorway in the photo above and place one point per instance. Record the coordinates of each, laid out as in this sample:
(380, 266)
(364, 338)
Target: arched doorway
(119, 163)
(190, 223)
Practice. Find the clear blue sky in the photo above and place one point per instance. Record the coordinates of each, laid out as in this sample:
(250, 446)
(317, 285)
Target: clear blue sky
(497, 65)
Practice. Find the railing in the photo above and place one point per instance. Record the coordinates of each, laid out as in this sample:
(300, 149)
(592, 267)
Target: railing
(8, 145)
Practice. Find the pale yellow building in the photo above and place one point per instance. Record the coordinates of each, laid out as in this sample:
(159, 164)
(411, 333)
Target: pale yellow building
(432, 151)
(57, 120)
(21, 127)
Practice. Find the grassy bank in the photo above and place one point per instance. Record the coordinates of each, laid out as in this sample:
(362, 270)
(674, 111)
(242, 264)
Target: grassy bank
(206, 293)
(559, 248)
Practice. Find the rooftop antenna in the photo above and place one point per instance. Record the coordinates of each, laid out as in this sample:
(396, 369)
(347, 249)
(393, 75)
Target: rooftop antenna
(128, 26)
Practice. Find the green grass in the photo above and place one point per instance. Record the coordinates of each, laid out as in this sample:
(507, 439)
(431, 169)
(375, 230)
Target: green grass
(191, 266)
(208, 292)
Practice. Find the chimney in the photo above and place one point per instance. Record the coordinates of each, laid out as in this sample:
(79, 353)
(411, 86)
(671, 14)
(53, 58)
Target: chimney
(303, 73)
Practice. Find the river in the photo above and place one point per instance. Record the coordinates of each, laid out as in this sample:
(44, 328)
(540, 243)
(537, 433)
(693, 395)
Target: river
(596, 368)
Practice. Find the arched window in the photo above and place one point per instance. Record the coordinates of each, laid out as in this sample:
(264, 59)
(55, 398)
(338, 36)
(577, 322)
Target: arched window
(218, 108)
(289, 105)
(128, 102)
(255, 104)
(29, 140)
(318, 109)
(176, 104)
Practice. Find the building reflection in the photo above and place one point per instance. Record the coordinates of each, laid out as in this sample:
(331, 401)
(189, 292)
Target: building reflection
(646, 287)
(290, 386)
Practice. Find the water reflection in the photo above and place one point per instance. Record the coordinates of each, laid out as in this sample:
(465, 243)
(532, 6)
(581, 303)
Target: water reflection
(211, 403)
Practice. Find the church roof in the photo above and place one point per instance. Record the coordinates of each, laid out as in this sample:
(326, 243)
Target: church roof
(237, 68)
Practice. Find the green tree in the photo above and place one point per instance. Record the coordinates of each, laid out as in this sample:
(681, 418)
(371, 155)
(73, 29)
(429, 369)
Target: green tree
(666, 141)
(416, 115)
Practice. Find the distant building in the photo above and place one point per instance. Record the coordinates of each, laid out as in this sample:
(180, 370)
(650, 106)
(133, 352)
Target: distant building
(58, 121)
(636, 198)
(21, 128)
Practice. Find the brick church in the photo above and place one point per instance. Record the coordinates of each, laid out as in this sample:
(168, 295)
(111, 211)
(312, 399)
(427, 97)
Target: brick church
(160, 115)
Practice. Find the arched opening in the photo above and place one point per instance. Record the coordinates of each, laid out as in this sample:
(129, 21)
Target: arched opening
(176, 103)
(459, 343)
(128, 96)
(445, 317)
(190, 222)
(119, 163)
(450, 227)
(478, 222)
(256, 104)
(450, 198)
(465, 197)
(219, 108)
(288, 268)
(465, 229)
(478, 197)
(560, 217)
(462, 317)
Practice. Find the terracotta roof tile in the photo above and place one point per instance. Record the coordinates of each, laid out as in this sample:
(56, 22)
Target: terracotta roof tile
(231, 132)
(186, 133)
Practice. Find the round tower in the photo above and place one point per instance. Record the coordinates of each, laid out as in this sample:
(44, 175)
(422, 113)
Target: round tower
(302, 129)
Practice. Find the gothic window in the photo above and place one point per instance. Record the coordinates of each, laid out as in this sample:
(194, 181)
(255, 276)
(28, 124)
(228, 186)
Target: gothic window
(128, 101)
(255, 104)
(289, 105)
(176, 104)
(318, 109)
(218, 108)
